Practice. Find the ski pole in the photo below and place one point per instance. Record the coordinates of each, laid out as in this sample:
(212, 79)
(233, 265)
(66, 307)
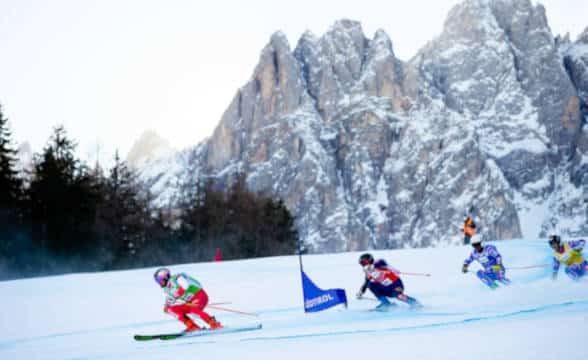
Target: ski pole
(213, 306)
(414, 274)
(232, 311)
(527, 267)
(220, 303)
(209, 304)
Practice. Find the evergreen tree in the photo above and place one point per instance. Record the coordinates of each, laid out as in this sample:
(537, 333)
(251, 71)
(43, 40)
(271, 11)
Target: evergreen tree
(10, 196)
(202, 211)
(10, 183)
(124, 215)
(279, 228)
(62, 200)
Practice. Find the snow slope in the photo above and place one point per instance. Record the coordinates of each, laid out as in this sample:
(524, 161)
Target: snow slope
(94, 316)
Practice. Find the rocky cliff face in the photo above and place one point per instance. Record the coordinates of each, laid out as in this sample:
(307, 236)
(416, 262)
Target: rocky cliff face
(575, 59)
(371, 151)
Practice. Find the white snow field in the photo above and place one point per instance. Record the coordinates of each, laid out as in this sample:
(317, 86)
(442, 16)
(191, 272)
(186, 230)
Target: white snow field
(94, 316)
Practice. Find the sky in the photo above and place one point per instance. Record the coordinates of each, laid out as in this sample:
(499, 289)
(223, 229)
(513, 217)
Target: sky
(110, 70)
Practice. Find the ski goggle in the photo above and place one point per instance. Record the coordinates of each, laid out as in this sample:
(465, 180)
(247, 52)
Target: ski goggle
(364, 262)
(162, 279)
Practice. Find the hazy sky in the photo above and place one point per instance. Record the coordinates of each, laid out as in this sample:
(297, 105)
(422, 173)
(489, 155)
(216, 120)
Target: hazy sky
(110, 69)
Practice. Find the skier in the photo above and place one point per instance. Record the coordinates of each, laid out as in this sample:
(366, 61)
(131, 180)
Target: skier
(490, 259)
(469, 229)
(384, 282)
(185, 296)
(569, 253)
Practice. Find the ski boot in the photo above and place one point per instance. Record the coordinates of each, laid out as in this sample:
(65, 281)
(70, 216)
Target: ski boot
(191, 325)
(384, 305)
(213, 323)
(412, 302)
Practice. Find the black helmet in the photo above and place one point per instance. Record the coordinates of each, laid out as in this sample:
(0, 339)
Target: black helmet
(554, 239)
(366, 259)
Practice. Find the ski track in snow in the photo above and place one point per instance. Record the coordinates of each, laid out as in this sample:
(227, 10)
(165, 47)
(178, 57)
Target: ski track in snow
(577, 306)
(553, 307)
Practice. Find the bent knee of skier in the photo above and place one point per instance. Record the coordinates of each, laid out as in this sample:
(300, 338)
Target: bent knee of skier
(179, 312)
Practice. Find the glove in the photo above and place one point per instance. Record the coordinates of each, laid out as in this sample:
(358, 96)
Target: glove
(464, 269)
(173, 302)
(359, 295)
(497, 268)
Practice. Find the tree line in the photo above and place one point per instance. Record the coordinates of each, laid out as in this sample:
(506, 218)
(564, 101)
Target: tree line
(64, 216)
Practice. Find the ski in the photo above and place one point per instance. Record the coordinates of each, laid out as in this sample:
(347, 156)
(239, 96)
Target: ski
(203, 332)
(157, 336)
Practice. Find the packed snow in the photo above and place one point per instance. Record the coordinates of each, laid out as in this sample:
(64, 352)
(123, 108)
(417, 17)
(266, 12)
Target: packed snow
(95, 315)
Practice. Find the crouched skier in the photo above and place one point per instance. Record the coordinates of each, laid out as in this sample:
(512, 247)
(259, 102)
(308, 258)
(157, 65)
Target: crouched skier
(490, 259)
(383, 282)
(568, 253)
(185, 296)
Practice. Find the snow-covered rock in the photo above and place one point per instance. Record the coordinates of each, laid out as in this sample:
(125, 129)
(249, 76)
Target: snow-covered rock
(163, 168)
(370, 151)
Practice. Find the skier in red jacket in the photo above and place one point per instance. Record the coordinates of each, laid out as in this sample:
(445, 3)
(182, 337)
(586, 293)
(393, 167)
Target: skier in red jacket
(184, 295)
(384, 282)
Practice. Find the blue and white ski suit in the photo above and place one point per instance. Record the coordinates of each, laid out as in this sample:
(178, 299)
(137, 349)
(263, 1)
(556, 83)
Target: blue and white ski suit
(491, 261)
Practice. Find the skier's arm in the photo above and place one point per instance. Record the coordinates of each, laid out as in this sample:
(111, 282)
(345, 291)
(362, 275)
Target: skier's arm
(184, 284)
(468, 261)
(362, 288)
(577, 245)
(175, 296)
(492, 251)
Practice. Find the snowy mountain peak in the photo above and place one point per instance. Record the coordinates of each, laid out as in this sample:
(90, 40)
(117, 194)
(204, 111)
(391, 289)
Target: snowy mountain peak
(308, 36)
(346, 26)
(149, 148)
(371, 152)
(583, 37)
(279, 40)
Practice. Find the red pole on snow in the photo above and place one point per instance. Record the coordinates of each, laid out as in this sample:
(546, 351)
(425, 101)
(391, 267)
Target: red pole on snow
(218, 256)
